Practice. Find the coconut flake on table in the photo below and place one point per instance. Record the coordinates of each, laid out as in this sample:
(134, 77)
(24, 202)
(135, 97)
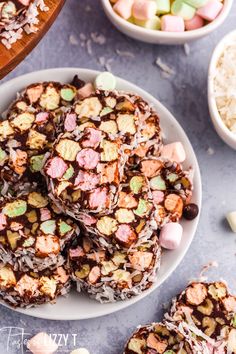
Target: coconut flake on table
(225, 86)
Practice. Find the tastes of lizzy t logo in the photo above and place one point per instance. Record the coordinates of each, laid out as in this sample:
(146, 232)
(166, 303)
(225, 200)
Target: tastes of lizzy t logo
(13, 340)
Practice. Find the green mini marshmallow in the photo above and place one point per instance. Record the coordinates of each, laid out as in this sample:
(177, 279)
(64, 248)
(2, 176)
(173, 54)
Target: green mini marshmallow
(14, 209)
(157, 183)
(169, 352)
(172, 177)
(48, 227)
(154, 23)
(69, 173)
(105, 111)
(64, 228)
(234, 321)
(136, 184)
(163, 7)
(196, 3)
(143, 208)
(182, 9)
(36, 163)
(105, 81)
(67, 94)
(3, 155)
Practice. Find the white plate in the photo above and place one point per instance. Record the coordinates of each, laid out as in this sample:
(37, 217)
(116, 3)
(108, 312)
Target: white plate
(78, 306)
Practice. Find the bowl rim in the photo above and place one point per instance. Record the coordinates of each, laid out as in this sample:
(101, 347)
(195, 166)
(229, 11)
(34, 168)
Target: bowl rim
(215, 115)
(193, 34)
(162, 110)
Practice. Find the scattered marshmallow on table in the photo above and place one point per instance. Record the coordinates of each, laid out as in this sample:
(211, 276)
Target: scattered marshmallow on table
(231, 217)
(80, 351)
(174, 152)
(171, 235)
(42, 343)
(195, 23)
(211, 10)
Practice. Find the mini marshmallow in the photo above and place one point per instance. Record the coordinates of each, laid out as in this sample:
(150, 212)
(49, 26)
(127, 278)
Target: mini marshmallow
(80, 351)
(124, 8)
(144, 9)
(211, 10)
(170, 23)
(174, 152)
(180, 8)
(105, 81)
(231, 217)
(195, 23)
(154, 23)
(197, 3)
(163, 7)
(42, 343)
(171, 235)
(86, 90)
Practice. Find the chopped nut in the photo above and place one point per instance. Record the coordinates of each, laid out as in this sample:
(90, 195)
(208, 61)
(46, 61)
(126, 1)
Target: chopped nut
(196, 293)
(83, 272)
(210, 325)
(68, 149)
(90, 107)
(206, 308)
(137, 345)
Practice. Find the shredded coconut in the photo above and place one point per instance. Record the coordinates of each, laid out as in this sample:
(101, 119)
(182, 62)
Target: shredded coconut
(164, 67)
(225, 85)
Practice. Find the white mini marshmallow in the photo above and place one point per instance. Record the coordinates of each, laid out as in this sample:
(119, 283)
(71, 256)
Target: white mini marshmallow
(171, 235)
(174, 152)
(231, 217)
(42, 343)
(80, 351)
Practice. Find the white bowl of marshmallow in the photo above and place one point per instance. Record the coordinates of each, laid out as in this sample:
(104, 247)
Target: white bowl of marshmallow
(167, 21)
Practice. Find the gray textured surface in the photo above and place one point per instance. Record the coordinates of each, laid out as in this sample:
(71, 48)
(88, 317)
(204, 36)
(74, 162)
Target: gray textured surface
(185, 94)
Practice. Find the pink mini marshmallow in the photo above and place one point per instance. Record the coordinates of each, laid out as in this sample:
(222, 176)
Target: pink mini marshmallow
(45, 214)
(56, 168)
(3, 221)
(87, 158)
(24, 2)
(42, 343)
(87, 181)
(124, 8)
(98, 198)
(170, 23)
(158, 197)
(144, 9)
(70, 122)
(86, 90)
(195, 23)
(211, 10)
(171, 235)
(42, 117)
(174, 152)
